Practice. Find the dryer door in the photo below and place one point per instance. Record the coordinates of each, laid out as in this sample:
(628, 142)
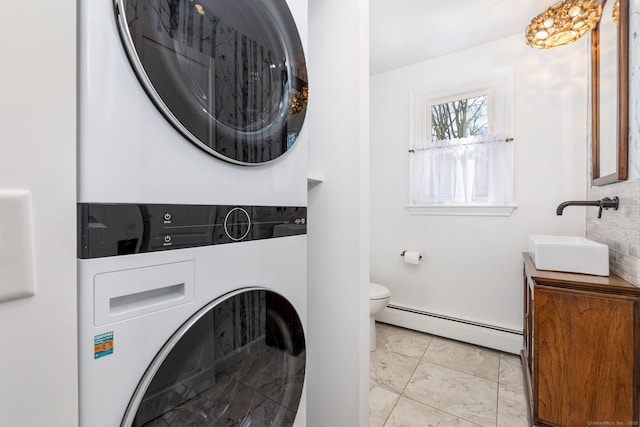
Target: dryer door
(229, 75)
(239, 361)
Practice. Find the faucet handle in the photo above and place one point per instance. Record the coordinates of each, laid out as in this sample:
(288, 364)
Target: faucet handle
(607, 203)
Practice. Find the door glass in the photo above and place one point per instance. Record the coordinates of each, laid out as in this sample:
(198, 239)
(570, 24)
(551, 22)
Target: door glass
(230, 75)
(240, 361)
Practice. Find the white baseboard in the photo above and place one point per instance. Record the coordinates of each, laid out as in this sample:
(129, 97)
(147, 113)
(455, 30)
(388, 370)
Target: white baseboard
(502, 339)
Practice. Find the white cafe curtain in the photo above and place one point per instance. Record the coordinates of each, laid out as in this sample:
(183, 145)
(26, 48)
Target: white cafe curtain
(472, 170)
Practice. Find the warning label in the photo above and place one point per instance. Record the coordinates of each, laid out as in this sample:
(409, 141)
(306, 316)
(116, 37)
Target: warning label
(102, 345)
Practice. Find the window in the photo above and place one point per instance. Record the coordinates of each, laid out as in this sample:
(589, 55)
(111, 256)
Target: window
(460, 118)
(461, 153)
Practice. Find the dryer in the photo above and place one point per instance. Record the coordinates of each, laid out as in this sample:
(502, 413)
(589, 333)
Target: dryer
(192, 212)
(169, 88)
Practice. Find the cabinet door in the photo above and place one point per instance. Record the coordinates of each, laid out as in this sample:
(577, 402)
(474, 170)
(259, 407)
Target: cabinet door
(583, 357)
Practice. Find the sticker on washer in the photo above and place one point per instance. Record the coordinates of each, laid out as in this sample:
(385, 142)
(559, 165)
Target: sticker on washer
(102, 345)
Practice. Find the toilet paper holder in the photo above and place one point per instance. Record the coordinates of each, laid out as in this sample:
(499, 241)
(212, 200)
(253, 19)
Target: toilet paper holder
(403, 252)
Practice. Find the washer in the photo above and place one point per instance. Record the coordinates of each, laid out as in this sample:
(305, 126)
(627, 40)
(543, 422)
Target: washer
(191, 315)
(192, 212)
(169, 88)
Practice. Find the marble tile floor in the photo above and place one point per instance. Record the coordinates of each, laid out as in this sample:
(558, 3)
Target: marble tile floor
(421, 380)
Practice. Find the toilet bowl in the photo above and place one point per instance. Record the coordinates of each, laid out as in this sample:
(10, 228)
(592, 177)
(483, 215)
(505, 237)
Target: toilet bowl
(379, 297)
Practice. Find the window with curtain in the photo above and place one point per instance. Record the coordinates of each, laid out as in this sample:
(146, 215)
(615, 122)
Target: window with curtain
(474, 169)
(461, 158)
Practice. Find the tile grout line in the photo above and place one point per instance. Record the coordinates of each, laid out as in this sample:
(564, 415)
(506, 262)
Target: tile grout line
(401, 394)
(443, 411)
(465, 373)
(420, 359)
(498, 388)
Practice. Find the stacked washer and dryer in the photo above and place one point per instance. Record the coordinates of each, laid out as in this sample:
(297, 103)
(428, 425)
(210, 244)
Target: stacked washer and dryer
(192, 164)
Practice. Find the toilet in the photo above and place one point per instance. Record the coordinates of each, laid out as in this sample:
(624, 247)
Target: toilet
(379, 297)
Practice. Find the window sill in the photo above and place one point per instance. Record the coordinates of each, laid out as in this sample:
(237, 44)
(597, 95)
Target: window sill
(462, 210)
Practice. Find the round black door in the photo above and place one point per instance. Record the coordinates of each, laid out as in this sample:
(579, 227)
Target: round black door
(229, 75)
(239, 361)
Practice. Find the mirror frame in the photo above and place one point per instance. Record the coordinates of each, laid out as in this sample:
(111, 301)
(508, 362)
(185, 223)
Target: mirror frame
(622, 101)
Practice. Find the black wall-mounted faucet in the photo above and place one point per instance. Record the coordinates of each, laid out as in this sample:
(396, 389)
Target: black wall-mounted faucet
(605, 203)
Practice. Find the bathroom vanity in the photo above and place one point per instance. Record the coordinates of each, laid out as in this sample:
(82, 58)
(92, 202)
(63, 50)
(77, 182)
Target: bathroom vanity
(581, 355)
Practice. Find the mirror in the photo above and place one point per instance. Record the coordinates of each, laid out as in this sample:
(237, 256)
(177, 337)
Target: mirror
(609, 93)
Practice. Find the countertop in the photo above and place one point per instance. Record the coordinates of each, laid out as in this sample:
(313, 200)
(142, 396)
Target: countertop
(611, 283)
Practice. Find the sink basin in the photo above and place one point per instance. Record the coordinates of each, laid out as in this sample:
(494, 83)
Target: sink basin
(572, 254)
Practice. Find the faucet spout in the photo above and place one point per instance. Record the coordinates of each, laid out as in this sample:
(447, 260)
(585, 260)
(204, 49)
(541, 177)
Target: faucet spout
(563, 205)
(605, 203)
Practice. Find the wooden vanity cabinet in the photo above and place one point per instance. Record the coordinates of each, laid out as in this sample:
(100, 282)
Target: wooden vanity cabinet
(581, 355)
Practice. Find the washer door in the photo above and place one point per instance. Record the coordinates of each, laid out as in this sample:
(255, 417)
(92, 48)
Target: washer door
(239, 361)
(229, 75)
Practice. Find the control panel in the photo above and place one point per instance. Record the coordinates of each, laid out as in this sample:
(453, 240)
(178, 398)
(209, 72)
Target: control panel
(123, 229)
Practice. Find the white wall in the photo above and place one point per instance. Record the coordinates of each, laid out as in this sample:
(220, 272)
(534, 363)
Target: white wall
(473, 265)
(338, 228)
(37, 143)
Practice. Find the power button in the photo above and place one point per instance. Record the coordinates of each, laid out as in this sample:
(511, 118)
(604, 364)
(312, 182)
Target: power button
(237, 224)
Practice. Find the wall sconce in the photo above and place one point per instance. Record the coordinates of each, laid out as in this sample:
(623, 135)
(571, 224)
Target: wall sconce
(564, 22)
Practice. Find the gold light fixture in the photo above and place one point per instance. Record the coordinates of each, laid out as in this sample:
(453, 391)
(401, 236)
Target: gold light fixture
(563, 23)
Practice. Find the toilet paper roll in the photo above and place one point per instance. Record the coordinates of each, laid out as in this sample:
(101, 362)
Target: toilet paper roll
(412, 257)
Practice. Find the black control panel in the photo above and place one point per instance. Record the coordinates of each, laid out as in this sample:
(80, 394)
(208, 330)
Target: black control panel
(123, 229)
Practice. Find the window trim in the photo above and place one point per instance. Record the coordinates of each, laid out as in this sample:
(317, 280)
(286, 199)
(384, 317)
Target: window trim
(499, 86)
(463, 209)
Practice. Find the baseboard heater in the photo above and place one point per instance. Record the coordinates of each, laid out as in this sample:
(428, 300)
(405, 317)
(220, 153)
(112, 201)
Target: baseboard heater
(454, 319)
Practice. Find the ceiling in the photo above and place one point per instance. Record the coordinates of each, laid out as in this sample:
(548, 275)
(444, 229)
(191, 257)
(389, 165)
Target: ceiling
(403, 32)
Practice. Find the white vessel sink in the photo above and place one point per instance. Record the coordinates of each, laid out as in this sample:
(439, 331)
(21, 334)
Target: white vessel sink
(572, 254)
